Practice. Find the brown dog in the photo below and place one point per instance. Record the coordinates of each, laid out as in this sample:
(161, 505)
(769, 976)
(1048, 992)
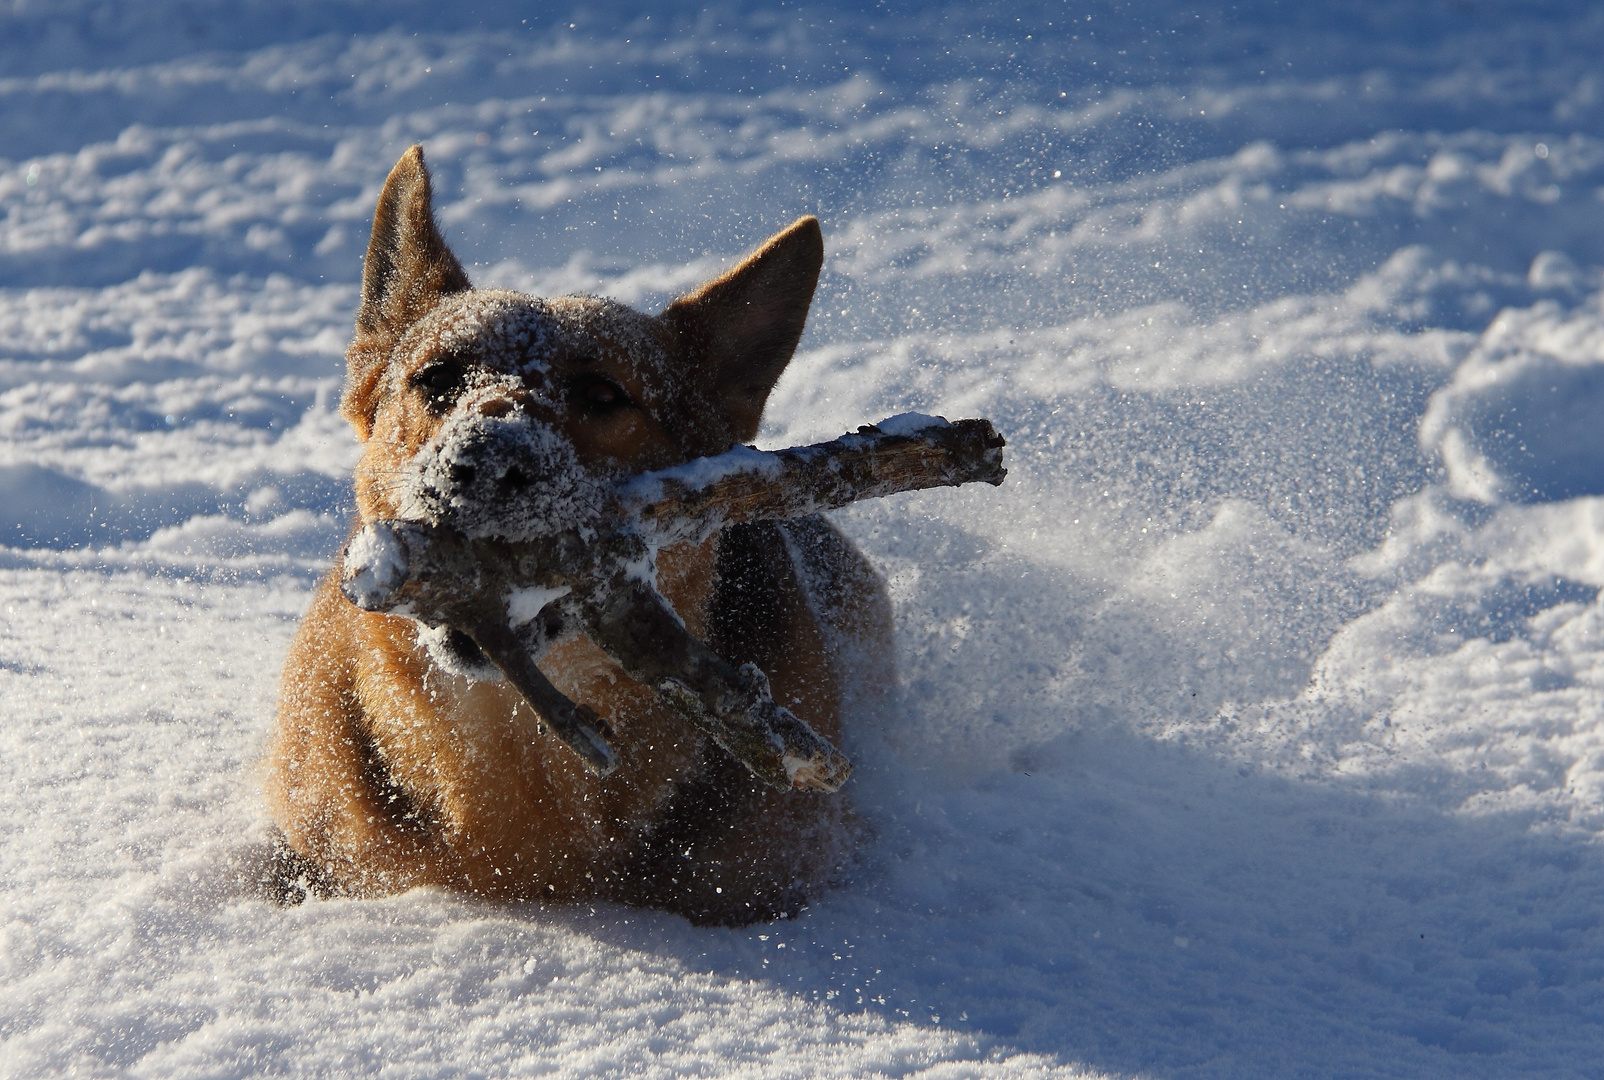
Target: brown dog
(394, 766)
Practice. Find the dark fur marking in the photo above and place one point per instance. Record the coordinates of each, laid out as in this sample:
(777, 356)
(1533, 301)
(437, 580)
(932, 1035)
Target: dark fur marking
(398, 804)
(750, 605)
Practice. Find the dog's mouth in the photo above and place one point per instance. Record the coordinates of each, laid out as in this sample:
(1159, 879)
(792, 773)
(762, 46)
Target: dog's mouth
(497, 469)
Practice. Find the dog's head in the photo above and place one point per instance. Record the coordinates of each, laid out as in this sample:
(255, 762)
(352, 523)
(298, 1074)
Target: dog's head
(500, 413)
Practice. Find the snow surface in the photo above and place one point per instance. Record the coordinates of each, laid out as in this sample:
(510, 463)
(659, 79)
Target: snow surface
(1254, 728)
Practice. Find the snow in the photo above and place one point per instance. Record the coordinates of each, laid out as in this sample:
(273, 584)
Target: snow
(374, 566)
(702, 472)
(909, 423)
(1254, 727)
(527, 601)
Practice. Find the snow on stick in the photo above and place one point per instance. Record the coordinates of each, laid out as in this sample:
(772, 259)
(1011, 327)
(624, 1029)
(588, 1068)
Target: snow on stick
(602, 581)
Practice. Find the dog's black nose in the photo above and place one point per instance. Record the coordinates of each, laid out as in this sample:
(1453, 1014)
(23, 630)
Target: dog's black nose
(462, 474)
(515, 479)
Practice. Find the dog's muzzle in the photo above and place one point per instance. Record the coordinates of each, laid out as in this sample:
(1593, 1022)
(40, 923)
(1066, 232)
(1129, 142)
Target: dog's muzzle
(497, 468)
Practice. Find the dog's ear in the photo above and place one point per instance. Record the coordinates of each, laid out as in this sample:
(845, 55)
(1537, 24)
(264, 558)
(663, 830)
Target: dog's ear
(407, 270)
(739, 330)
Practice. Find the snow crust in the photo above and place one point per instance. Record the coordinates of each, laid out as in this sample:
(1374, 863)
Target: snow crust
(527, 601)
(375, 565)
(909, 422)
(700, 473)
(1253, 728)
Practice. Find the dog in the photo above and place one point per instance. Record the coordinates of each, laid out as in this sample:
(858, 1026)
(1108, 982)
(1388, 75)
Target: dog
(399, 760)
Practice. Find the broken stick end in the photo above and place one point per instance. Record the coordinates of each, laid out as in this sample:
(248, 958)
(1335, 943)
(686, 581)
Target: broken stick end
(825, 775)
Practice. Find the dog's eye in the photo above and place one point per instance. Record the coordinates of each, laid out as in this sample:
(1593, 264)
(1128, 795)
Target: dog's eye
(439, 382)
(600, 395)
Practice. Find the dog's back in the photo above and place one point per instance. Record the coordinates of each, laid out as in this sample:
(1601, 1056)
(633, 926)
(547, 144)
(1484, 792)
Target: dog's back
(395, 765)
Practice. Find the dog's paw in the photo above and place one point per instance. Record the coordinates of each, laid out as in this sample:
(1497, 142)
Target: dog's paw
(288, 879)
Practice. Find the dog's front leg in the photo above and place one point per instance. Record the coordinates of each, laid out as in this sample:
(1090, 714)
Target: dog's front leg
(326, 780)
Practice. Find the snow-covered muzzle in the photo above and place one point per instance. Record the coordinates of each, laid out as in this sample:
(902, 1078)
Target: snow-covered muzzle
(498, 468)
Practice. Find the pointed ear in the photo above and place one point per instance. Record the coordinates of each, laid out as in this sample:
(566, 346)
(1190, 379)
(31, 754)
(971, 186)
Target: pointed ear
(739, 330)
(407, 270)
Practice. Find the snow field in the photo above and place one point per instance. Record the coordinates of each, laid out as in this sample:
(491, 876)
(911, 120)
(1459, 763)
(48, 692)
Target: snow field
(1252, 729)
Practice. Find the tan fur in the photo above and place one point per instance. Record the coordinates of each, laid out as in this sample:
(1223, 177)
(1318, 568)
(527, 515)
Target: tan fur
(387, 771)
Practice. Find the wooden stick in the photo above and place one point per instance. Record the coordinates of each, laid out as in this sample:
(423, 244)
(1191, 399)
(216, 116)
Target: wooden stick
(692, 501)
(436, 575)
(634, 625)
